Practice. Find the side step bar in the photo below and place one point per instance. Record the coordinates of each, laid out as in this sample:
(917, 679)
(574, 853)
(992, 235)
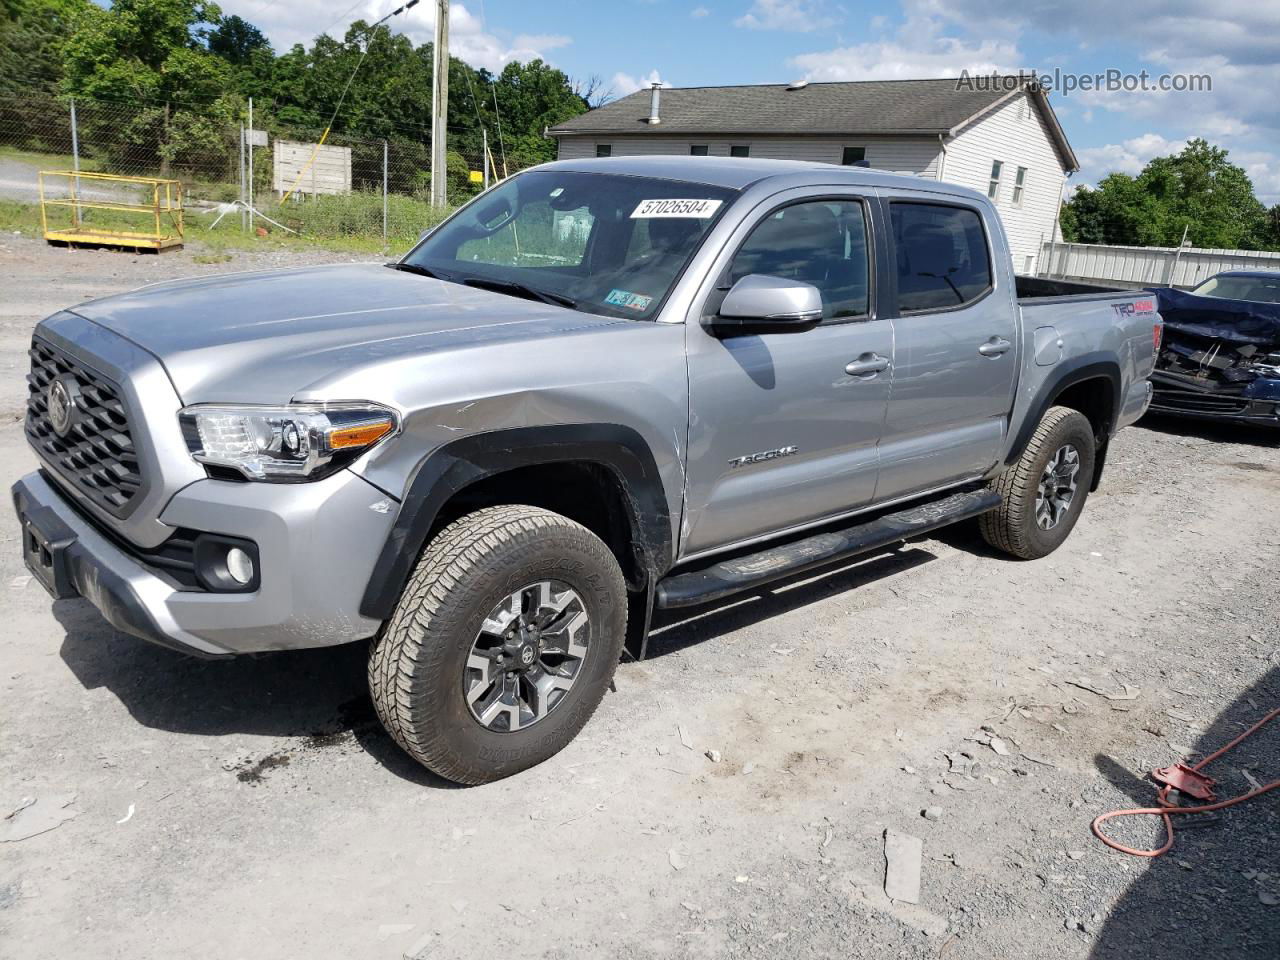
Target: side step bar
(728, 577)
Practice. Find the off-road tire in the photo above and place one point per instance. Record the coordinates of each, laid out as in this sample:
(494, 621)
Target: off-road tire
(416, 665)
(1012, 526)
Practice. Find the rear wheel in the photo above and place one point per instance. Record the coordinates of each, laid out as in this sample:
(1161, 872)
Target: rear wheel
(502, 645)
(1043, 493)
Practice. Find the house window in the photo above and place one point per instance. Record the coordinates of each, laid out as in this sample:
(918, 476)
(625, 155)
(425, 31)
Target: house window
(740, 150)
(604, 149)
(1019, 184)
(993, 189)
(698, 150)
(853, 156)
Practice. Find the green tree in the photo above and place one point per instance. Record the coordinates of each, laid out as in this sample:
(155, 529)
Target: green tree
(151, 57)
(1197, 190)
(236, 40)
(32, 34)
(1271, 229)
(532, 97)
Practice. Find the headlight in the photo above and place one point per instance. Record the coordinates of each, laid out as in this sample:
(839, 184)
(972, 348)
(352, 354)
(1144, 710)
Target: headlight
(300, 441)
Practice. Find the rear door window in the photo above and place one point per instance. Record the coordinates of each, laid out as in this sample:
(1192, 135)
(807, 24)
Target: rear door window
(943, 261)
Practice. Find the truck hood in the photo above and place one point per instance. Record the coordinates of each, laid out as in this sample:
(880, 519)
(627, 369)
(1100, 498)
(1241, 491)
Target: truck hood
(264, 337)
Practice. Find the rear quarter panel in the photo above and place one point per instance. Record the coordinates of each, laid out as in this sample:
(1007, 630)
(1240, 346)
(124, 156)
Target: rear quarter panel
(1094, 331)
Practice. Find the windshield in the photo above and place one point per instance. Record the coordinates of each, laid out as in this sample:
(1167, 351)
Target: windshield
(1258, 289)
(600, 243)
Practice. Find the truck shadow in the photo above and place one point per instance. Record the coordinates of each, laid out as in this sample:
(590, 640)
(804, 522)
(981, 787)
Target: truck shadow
(1204, 897)
(319, 698)
(318, 695)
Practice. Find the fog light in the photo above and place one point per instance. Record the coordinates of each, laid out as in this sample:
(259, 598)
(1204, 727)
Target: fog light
(226, 564)
(239, 565)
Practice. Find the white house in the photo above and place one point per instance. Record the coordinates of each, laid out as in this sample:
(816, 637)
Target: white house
(1000, 138)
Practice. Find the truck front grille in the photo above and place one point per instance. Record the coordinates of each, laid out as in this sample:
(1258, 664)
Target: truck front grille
(94, 451)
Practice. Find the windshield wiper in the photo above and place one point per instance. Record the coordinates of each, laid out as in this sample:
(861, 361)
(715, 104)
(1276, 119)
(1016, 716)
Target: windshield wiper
(520, 290)
(415, 268)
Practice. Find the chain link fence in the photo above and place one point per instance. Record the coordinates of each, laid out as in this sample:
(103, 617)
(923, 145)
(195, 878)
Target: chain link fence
(277, 177)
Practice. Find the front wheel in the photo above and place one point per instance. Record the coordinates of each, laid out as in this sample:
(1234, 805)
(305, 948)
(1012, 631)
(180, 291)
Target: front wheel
(502, 645)
(1043, 493)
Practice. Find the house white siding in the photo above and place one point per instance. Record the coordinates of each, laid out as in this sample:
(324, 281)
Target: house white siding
(1016, 134)
(917, 155)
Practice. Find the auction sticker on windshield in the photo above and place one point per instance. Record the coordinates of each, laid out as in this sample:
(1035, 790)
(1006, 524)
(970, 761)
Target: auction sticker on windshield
(691, 208)
(624, 298)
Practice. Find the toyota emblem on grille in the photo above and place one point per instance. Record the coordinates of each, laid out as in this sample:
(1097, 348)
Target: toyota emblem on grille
(61, 406)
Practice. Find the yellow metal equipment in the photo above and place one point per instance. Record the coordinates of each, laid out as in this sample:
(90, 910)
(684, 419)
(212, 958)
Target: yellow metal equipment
(142, 213)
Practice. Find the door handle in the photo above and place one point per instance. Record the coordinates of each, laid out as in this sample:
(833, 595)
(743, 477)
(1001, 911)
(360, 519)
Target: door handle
(867, 365)
(994, 347)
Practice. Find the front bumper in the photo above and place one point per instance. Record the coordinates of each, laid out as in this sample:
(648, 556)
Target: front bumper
(1221, 407)
(317, 544)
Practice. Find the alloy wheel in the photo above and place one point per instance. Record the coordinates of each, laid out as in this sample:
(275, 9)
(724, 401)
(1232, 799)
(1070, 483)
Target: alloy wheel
(1057, 487)
(527, 656)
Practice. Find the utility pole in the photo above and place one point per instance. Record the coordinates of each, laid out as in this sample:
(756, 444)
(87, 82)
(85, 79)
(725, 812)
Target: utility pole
(250, 183)
(244, 203)
(75, 162)
(440, 106)
(484, 158)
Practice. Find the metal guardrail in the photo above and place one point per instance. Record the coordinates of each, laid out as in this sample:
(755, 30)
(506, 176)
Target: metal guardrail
(104, 209)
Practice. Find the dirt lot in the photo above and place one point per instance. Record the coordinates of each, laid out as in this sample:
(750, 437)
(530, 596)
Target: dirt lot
(253, 808)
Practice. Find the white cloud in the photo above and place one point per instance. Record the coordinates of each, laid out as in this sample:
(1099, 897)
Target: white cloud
(1129, 156)
(623, 84)
(286, 22)
(1263, 168)
(699, 12)
(898, 60)
(1236, 42)
(924, 46)
(798, 16)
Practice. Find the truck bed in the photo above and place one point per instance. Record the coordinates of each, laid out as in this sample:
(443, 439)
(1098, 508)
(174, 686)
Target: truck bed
(1047, 288)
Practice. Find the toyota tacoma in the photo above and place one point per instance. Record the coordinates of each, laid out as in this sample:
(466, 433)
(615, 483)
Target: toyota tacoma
(601, 388)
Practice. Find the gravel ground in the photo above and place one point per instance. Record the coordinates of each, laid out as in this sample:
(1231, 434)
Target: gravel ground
(254, 808)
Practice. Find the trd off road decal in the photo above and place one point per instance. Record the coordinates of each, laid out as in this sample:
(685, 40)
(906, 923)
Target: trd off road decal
(1138, 306)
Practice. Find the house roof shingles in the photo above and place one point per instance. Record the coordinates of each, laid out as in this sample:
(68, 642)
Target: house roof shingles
(857, 108)
(864, 107)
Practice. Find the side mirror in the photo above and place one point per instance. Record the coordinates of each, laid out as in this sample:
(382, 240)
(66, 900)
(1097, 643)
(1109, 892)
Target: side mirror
(762, 304)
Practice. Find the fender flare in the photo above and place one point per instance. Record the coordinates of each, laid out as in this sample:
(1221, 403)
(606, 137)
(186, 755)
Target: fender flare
(1090, 366)
(456, 465)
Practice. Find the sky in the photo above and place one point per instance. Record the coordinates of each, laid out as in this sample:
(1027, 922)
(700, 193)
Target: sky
(629, 43)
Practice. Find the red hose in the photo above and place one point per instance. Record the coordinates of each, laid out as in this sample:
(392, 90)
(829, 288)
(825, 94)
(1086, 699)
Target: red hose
(1166, 809)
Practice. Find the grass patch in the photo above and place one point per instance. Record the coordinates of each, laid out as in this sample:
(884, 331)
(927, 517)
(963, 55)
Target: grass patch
(357, 215)
(340, 224)
(23, 218)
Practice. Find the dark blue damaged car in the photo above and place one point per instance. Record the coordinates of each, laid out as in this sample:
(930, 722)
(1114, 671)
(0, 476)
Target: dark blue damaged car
(1220, 358)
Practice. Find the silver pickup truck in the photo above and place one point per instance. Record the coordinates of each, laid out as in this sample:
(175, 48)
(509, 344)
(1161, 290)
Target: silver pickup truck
(601, 388)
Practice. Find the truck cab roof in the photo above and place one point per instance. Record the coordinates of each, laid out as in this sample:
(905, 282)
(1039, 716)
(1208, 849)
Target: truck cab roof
(739, 173)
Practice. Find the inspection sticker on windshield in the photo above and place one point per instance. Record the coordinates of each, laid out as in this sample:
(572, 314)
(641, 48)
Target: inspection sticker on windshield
(690, 208)
(633, 301)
